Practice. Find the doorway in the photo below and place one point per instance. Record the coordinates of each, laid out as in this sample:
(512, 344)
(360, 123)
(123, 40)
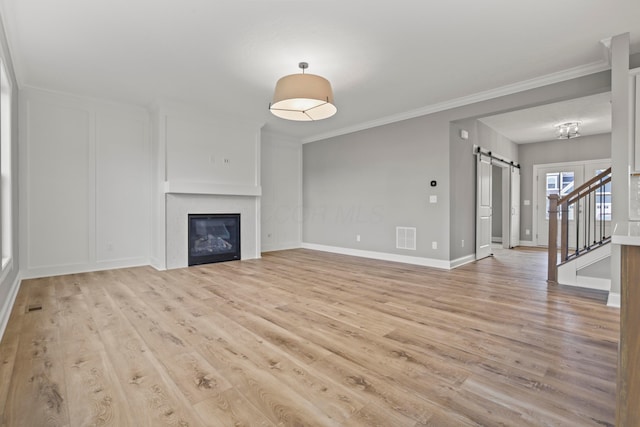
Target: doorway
(505, 223)
(562, 179)
(497, 203)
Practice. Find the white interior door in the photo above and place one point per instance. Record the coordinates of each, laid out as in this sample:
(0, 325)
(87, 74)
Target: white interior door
(514, 224)
(506, 205)
(483, 206)
(560, 180)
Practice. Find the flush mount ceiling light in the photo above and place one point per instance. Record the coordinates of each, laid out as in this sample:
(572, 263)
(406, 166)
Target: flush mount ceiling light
(568, 130)
(303, 97)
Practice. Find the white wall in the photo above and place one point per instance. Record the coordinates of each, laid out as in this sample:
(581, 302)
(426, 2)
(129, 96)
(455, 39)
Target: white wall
(281, 201)
(9, 276)
(203, 163)
(621, 147)
(219, 152)
(85, 184)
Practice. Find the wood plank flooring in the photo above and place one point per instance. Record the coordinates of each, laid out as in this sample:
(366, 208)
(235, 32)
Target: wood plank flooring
(305, 338)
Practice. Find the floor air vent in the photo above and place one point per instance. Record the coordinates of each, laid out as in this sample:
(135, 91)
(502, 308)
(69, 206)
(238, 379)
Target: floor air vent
(34, 307)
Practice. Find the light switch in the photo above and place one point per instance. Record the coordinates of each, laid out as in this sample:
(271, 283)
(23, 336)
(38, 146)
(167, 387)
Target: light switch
(433, 199)
(527, 202)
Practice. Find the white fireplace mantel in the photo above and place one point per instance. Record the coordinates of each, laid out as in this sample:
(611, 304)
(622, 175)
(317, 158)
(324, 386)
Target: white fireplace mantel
(193, 187)
(180, 205)
(204, 163)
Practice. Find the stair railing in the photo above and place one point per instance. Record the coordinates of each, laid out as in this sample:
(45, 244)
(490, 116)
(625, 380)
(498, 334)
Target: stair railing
(589, 208)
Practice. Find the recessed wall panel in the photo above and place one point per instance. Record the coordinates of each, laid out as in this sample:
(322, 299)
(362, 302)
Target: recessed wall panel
(123, 188)
(57, 185)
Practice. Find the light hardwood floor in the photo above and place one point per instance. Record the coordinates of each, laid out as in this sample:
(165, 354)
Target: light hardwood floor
(309, 338)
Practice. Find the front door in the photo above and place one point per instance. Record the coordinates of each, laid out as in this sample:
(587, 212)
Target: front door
(560, 180)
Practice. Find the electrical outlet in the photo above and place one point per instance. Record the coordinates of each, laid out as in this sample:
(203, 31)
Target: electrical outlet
(527, 232)
(462, 244)
(357, 237)
(434, 245)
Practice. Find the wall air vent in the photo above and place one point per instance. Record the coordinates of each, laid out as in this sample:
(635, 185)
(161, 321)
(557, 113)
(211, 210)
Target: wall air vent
(406, 238)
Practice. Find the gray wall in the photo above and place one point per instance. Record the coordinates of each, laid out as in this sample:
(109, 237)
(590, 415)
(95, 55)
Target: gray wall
(463, 188)
(281, 200)
(371, 181)
(465, 220)
(499, 144)
(634, 60)
(592, 147)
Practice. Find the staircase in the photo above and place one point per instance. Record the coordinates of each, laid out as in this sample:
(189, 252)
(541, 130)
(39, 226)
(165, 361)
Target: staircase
(591, 270)
(579, 241)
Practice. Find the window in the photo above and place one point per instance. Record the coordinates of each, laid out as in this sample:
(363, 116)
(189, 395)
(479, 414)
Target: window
(6, 238)
(603, 200)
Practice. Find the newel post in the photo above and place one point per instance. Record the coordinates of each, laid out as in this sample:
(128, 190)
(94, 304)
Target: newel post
(552, 269)
(564, 229)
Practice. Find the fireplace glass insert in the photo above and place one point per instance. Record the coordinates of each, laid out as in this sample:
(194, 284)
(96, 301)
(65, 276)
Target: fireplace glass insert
(213, 238)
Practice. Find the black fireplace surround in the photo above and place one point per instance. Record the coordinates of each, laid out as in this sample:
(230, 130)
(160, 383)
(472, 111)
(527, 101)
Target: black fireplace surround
(213, 238)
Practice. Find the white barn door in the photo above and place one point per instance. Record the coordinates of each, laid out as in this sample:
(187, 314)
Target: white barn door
(483, 205)
(514, 224)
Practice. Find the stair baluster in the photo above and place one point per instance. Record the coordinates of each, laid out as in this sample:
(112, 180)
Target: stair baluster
(578, 202)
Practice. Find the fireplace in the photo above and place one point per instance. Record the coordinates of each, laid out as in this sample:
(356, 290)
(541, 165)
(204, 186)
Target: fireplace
(213, 238)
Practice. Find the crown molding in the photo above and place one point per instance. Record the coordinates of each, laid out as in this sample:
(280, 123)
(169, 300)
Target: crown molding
(560, 76)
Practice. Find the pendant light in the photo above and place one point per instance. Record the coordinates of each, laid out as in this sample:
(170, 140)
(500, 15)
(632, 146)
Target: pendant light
(303, 97)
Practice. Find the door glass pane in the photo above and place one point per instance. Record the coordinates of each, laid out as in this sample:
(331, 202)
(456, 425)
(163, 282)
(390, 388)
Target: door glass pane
(560, 183)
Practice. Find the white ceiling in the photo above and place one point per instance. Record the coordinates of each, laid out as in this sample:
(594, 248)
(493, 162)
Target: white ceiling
(384, 58)
(539, 123)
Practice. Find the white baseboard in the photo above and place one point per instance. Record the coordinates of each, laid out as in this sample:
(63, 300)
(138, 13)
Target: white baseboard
(528, 243)
(568, 277)
(281, 246)
(597, 283)
(35, 273)
(406, 259)
(496, 240)
(462, 261)
(157, 263)
(5, 311)
(613, 300)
